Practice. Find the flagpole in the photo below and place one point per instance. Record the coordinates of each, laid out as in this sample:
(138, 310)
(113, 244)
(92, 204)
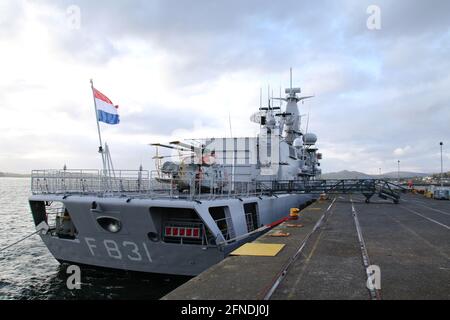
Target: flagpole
(100, 148)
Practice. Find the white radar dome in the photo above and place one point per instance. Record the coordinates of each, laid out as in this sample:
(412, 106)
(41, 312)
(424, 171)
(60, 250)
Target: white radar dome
(309, 138)
(298, 143)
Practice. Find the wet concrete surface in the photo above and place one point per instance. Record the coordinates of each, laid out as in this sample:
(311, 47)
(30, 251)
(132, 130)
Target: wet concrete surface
(409, 242)
(411, 250)
(331, 265)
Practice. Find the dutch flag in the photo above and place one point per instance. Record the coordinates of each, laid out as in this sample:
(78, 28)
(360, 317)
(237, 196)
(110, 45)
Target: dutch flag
(106, 110)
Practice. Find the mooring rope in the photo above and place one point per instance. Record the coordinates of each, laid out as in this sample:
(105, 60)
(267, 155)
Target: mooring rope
(20, 240)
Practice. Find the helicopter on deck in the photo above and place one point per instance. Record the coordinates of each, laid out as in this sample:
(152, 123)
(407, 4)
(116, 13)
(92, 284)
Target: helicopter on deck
(197, 167)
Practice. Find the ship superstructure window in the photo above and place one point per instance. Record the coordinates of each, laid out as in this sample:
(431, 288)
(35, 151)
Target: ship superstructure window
(251, 216)
(110, 224)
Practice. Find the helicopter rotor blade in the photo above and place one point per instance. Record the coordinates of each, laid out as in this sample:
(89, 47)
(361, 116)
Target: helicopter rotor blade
(170, 147)
(171, 156)
(185, 145)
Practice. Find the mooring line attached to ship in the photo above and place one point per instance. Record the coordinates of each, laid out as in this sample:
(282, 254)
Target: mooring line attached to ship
(375, 294)
(268, 292)
(20, 240)
(263, 228)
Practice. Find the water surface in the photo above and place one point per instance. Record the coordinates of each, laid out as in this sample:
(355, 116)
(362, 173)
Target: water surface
(29, 271)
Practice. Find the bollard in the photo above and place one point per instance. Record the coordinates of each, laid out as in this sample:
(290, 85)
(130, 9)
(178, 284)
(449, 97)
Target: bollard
(293, 214)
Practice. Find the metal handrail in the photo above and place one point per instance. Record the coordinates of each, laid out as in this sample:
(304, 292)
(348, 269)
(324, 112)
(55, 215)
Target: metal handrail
(152, 184)
(137, 183)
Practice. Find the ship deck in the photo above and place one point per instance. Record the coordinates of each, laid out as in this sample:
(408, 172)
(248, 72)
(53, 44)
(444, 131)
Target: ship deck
(410, 242)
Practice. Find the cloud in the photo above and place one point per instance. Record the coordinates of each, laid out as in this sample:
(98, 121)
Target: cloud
(181, 69)
(11, 16)
(402, 151)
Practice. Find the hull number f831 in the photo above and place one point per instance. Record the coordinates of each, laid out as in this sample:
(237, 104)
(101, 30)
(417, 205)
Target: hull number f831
(128, 249)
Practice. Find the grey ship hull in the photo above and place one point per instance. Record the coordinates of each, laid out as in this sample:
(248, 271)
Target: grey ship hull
(132, 249)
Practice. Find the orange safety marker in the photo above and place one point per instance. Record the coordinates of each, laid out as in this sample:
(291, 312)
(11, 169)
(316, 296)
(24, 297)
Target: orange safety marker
(291, 225)
(280, 234)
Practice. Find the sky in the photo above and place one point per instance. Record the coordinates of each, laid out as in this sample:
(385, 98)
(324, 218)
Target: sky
(182, 69)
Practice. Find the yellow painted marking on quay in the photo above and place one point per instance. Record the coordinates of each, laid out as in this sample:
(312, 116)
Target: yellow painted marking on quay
(258, 249)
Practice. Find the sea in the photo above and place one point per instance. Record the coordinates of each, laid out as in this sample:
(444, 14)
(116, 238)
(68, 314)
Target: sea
(28, 270)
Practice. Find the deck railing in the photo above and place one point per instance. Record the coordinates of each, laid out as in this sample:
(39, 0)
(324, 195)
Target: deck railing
(146, 184)
(88, 181)
(139, 183)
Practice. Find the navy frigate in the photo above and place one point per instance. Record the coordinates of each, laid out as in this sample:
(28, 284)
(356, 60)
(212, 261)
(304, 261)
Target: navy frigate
(189, 213)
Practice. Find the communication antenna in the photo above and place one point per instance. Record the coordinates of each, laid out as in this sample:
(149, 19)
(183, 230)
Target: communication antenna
(229, 120)
(260, 97)
(307, 119)
(280, 98)
(271, 95)
(290, 70)
(234, 155)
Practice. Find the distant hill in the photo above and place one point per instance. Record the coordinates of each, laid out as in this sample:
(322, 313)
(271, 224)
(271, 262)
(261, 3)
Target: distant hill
(346, 175)
(13, 175)
(405, 174)
(360, 175)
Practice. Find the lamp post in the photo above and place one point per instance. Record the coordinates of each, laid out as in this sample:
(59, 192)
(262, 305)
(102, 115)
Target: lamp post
(398, 170)
(379, 169)
(442, 165)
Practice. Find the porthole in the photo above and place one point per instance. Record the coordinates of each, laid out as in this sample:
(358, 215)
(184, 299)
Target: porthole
(153, 236)
(110, 224)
